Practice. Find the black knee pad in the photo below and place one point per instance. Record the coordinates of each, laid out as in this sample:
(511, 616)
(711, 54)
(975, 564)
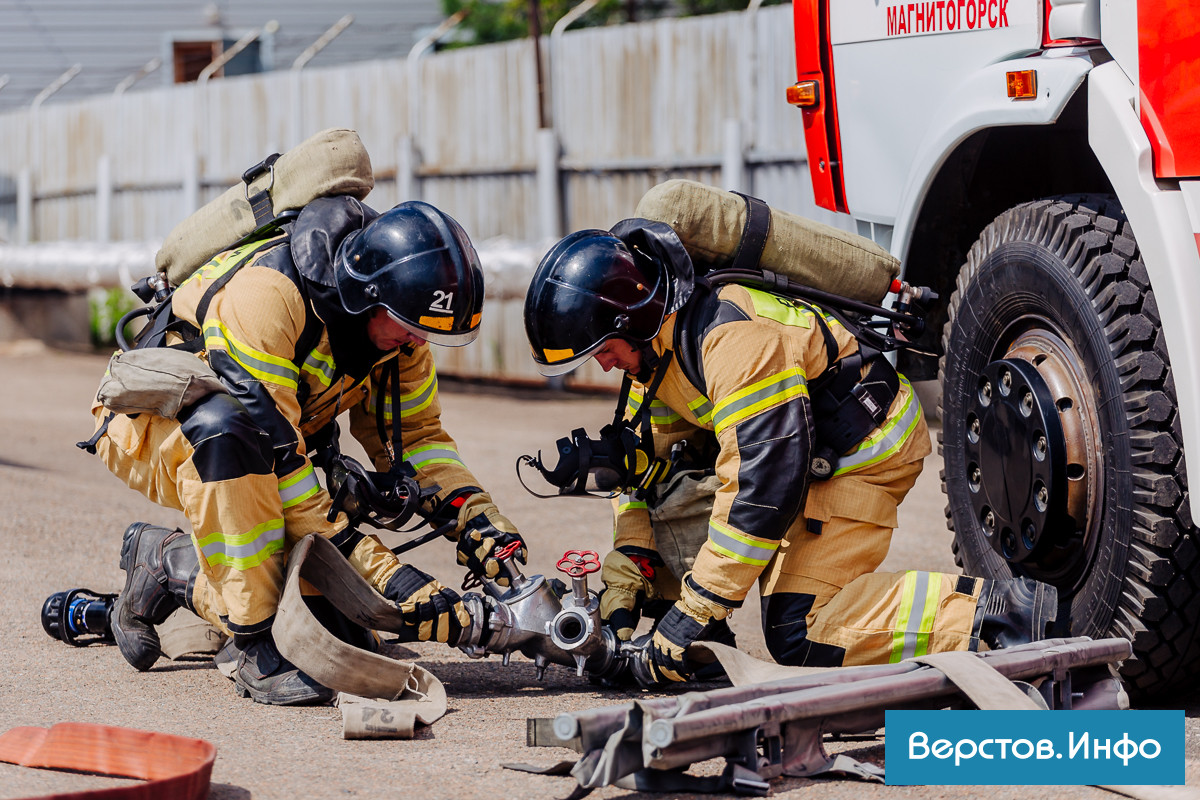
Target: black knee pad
(226, 440)
(786, 632)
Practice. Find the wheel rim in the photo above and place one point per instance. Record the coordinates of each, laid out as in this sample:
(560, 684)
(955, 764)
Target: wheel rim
(1032, 421)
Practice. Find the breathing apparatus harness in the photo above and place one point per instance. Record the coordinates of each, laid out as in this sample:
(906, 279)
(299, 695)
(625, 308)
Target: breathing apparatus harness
(847, 404)
(381, 499)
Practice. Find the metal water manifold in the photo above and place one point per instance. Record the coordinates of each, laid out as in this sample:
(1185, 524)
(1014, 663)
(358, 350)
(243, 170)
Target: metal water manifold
(528, 616)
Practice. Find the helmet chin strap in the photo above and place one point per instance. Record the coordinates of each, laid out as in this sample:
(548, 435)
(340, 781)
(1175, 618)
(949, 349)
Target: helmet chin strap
(650, 361)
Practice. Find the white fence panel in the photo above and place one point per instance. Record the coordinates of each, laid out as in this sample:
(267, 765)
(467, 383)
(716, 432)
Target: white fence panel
(630, 106)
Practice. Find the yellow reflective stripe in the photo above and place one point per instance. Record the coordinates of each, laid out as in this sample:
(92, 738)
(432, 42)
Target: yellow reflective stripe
(627, 503)
(299, 487)
(421, 397)
(758, 396)
(433, 454)
(891, 436)
(416, 400)
(222, 263)
(702, 408)
(932, 595)
(902, 615)
(321, 366)
(660, 412)
(243, 551)
(264, 366)
(634, 402)
(918, 601)
(738, 547)
(781, 309)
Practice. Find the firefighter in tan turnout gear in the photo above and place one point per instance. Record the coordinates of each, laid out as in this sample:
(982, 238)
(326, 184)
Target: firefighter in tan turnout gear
(334, 315)
(740, 389)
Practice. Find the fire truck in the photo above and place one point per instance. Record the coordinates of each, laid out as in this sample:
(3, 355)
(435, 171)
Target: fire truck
(1037, 162)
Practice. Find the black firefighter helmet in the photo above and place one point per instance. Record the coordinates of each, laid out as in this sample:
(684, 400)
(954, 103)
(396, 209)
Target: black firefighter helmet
(596, 285)
(418, 264)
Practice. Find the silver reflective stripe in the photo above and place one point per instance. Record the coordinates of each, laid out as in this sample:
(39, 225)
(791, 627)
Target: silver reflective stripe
(409, 403)
(433, 454)
(626, 503)
(739, 547)
(264, 366)
(764, 394)
(412, 403)
(299, 488)
(890, 437)
(915, 617)
(321, 366)
(702, 408)
(244, 551)
(660, 412)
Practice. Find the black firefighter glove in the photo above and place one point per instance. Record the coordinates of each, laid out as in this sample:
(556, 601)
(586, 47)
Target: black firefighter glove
(431, 611)
(689, 620)
(482, 531)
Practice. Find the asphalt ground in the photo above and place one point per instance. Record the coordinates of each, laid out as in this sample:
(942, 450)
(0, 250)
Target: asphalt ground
(61, 519)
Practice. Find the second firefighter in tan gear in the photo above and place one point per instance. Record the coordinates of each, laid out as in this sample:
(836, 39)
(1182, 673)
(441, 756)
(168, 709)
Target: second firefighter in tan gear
(812, 545)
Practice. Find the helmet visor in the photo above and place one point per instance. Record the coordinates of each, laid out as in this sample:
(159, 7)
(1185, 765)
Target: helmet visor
(434, 336)
(553, 363)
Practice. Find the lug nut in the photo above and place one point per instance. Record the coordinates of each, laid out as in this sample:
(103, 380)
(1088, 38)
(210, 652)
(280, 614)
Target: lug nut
(973, 429)
(1005, 382)
(989, 521)
(1027, 403)
(975, 477)
(985, 392)
(1040, 447)
(1008, 542)
(1041, 496)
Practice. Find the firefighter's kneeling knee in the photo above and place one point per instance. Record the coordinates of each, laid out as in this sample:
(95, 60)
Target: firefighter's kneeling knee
(226, 438)
(786, 632)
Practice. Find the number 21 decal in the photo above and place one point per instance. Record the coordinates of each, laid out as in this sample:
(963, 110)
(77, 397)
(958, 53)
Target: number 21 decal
(441, 301)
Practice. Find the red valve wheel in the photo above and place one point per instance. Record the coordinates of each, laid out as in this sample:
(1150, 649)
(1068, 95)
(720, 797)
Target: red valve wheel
(579, 562)
(507, 550)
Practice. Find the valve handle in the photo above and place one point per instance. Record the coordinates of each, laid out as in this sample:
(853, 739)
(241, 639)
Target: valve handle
(506, 551)
(579, 562)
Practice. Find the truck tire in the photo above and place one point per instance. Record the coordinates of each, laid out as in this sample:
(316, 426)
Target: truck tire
(1061, 435)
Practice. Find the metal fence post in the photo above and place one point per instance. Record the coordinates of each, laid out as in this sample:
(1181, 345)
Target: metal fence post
(408, 186)
(104, 192)
(733, 157)
(548, 185)
(24, 206)
(190, 191)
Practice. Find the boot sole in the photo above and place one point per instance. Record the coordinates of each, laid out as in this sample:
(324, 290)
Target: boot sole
(241, 689)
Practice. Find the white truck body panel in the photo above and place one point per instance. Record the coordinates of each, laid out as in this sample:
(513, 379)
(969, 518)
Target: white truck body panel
(1165, 221)
(974, 105)
(879, 76)
(1119, 34)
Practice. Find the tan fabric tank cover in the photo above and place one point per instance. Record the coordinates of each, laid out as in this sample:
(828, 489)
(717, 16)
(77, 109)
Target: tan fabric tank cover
(332, 162)
(709, 221)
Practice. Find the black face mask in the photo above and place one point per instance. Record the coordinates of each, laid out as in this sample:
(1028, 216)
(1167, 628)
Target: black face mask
(620, 459)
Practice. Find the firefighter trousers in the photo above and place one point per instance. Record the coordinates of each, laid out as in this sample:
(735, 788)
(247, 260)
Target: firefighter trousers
(823, 604)
(215, 465)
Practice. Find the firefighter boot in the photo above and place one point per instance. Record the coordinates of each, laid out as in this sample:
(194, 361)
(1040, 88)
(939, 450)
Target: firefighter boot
(160, 570)
(1014, 611)
(265, 676)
